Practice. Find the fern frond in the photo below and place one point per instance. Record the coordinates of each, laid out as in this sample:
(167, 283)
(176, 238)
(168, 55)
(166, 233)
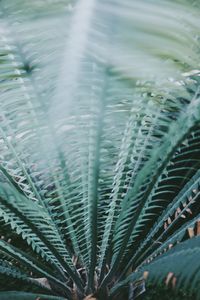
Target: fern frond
(33, 225)
(183, 274)
(99, 138)
(147, 179)
(12, 273)
(30, 263)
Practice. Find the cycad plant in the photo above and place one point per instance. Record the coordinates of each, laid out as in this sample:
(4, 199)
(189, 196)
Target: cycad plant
(99, 148)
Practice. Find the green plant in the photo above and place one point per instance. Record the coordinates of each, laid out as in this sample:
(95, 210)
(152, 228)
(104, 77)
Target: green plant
(99, 148)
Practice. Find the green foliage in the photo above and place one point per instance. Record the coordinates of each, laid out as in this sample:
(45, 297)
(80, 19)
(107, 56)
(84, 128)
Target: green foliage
(161, 292)
(99, 149)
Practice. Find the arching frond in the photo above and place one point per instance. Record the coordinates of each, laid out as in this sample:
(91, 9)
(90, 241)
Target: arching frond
(99, 144)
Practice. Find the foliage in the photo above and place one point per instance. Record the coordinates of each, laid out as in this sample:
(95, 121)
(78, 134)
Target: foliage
(99, 148)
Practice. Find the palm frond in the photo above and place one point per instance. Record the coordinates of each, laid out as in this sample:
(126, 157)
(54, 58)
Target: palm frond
(99, 140)
(182, 274)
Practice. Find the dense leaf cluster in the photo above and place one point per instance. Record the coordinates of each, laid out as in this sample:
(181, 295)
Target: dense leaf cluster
(99, 148)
